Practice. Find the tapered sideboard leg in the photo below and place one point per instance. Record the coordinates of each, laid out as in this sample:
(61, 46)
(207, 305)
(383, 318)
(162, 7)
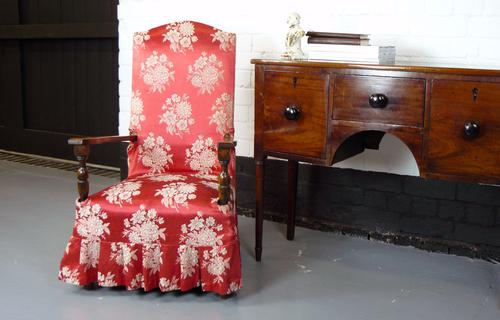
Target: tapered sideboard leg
(292, 196)
(259, 208)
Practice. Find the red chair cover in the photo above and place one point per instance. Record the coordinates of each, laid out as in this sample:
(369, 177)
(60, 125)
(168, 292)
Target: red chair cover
(162, 227)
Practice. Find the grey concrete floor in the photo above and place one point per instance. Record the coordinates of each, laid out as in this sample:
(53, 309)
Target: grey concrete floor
(317, 276)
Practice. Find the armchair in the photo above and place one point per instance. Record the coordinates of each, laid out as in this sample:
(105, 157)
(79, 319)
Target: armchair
(171, 224)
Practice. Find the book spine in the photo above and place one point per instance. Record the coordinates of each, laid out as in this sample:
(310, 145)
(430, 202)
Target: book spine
(372, 57)
(347, 49)
(337, 35)
(332, 57)
(355, 42)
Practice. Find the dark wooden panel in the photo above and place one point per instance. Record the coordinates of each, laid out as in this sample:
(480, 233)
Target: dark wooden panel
(405, 100)
(58, 75)
(94, 10)
(80, 82)
(9, 13)
(40, 83)
(67, 11)
(453, 105)
(74, 82)
(10, 82)
(68, 79)
(59, 31)
(100, 113)
(46, 11)
(11, 99)
(305, 136)
(96, 91)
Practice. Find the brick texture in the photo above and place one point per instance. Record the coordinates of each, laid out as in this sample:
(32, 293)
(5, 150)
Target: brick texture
(451, 210)
(424, 207)
(400, 203)
(399, 209)
(431, 189)
(478, 193)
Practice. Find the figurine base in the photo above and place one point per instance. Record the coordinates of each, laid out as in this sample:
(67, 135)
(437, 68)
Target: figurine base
(289, 56)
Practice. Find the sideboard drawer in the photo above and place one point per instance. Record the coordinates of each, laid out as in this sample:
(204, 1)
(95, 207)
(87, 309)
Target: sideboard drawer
(464, 128)
(380, 99)
(295, 113)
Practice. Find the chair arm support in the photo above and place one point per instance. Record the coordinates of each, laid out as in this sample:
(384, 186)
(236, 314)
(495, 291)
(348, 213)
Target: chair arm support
(224, 155)
(82, 174)
(81, 149)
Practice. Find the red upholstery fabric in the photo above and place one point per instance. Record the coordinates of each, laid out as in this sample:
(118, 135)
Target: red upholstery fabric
(162, 227)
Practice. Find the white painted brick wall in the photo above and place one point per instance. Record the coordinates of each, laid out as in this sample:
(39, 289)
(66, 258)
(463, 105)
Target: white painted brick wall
(436, 31)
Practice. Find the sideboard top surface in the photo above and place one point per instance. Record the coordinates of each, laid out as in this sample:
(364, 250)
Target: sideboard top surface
(426, 68)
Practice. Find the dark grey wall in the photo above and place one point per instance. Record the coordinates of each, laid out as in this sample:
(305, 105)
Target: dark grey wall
(434, 215)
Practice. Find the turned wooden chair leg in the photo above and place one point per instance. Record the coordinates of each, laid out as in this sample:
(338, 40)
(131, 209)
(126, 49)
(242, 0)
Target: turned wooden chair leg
(292, 196)
(224, 156)
(259, 208)
(82, 154)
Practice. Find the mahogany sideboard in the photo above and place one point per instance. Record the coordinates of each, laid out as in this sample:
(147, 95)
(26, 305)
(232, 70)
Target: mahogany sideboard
(324, 112)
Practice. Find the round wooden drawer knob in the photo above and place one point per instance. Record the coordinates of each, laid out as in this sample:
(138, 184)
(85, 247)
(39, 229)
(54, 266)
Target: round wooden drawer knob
(471, 129)
(378, 100)
(292, 113)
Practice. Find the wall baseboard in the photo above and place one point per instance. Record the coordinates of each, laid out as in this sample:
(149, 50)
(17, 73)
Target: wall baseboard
(434, 215)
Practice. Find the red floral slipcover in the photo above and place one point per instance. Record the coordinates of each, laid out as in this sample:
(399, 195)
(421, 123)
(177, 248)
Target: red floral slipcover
(162, 227)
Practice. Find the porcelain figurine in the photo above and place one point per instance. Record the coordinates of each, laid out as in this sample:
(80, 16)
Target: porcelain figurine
(293, 38)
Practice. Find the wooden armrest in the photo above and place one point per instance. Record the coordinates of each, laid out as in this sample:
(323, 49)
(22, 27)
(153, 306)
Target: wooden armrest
(81, 149)
(224, 155)
(77, 141)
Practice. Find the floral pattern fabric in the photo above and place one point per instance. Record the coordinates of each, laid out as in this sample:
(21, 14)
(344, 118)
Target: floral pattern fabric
(222, 116)
(136, 111)
(91, 227)
(202, 155)
(123, 254)
(140, 38)
(177, 115)
(205, 73)
(177, 194)
(157, 72)
(201, 232)
(153, 153)
(123, 192)
(227, 40)
(162, 227)
(181, 36)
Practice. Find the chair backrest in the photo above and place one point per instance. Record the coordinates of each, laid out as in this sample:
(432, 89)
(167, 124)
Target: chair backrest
(182, 97)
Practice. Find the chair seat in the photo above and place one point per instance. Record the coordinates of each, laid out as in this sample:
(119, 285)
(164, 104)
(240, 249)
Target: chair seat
(161, 231)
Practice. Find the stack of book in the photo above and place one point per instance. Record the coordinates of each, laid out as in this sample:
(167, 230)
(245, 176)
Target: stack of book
(347, 47)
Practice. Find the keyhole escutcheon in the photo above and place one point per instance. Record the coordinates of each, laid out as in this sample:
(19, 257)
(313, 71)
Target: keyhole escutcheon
(475, 92)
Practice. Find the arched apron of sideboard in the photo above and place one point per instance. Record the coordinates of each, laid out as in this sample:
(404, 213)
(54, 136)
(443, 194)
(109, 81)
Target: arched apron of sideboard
(348, 141)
